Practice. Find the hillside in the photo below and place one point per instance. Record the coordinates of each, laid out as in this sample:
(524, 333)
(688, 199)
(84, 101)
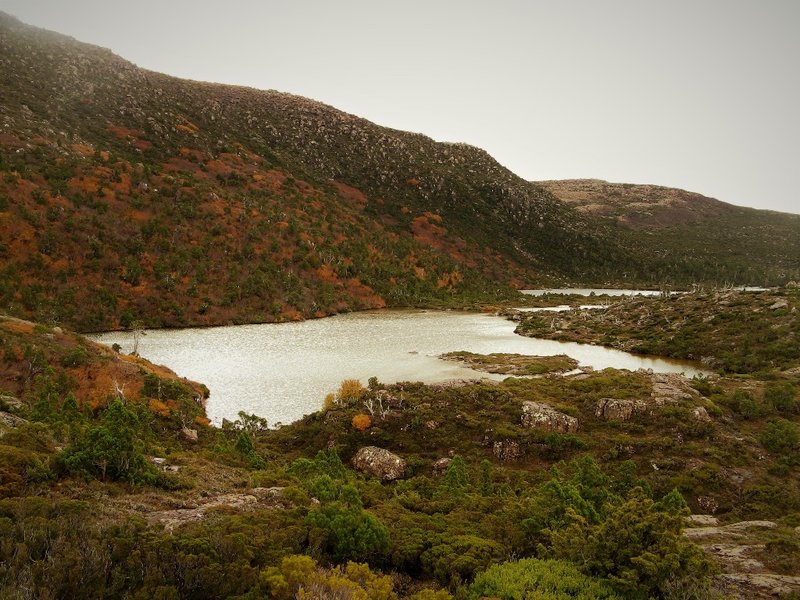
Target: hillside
(682, 226)
(128, 195)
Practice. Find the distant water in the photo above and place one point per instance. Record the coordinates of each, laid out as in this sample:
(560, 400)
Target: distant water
(283, 371)
(592, 291)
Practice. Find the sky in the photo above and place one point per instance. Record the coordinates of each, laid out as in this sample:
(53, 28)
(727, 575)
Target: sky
(703, 95)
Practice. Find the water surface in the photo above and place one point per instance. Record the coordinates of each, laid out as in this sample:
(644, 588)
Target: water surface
(283, 371)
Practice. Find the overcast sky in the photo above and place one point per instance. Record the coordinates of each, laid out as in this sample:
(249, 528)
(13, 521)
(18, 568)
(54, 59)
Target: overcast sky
(698, 94)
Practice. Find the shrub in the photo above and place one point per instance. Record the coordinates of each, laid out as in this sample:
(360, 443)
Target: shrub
(781, 396)
(361, 422)
(350, 390)
(540, 579)
(780, 437)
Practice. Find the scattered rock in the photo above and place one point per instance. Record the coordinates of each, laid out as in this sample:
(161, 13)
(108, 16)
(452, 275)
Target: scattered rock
(158, 461)
(432, 424)
(708, 504)
(440, 466)
(536, 414)
(756, 584)
(734, 530)
(507, 451)
(379, 463)
(175, 518)
(190, 435)
(735, 556)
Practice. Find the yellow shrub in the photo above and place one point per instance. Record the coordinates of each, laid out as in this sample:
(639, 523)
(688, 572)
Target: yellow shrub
(350, 390)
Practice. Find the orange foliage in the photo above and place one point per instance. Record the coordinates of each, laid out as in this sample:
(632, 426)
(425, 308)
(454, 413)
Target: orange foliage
(352, 194)
(361, 422)
(158, 407)
(83, 149)
(325, 273)
(350, 389)
(330, 400)
(202, 421)
(84, 185)
(413, 181)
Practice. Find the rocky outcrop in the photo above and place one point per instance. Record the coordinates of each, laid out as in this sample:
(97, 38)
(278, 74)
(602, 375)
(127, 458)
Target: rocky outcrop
(10, 420)
(669, 389)
(542, 416)
(614, 409)
(379, 463)
(507, 451)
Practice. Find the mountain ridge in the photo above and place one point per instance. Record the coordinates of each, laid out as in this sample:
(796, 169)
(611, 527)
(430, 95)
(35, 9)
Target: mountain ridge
(125, 181)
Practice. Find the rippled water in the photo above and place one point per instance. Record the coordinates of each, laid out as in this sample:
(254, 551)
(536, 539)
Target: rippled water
(283, 371)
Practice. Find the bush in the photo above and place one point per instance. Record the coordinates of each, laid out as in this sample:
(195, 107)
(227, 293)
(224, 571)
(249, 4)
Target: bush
(781, 396)
(361, 422)
(780, 437)
(539, 579)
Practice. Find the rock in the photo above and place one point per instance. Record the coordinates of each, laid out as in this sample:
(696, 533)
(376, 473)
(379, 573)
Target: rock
(708, 504)
(10, 401)
(190, 435)
(779, 304)
(669, 389)
(58, 330)
(699, 413)
(158, 461)
(732, 531)
(432, 424)
(735, 556)
(507, 451)
(379, 463)
(268, 494)
(702, 520)
(763, 583)
(536, 414)
(613, 409)
(10, 420)
(440, 466)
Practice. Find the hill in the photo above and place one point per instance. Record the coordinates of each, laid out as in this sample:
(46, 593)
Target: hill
(683, 227)
(130, 195)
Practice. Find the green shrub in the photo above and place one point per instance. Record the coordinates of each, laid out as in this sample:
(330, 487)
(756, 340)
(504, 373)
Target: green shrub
(780, 437)
(538, 580)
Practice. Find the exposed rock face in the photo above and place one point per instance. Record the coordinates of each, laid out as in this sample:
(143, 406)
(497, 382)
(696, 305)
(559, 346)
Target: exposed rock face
(507, 451)
(11, 420)
(536, 414)
(671, 389)
(379, 463)
(613, 409)
(700, 414)
(702, 520)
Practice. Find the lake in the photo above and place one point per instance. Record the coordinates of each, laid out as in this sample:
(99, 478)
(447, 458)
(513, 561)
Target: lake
(283, 371)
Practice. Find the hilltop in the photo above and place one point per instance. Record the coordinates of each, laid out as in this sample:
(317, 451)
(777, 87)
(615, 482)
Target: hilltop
(128, 195)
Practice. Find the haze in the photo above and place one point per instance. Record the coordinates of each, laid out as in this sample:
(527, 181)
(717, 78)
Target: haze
(697, 95)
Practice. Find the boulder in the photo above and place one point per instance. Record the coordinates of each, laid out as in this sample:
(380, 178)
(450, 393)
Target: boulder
(779, 304)
(536, 414)
(699, 413)
(702, 520)
(440, 466)
(379, 463)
